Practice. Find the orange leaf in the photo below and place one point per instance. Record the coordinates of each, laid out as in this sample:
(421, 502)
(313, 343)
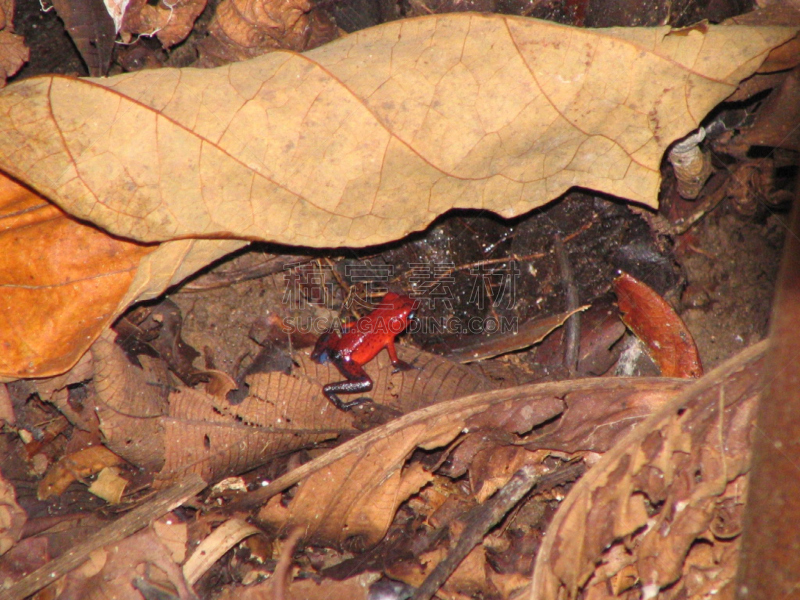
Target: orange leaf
(653, 321)
(61, 282)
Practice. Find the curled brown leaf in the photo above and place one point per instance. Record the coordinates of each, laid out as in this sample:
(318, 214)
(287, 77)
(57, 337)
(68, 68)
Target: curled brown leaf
(661, 489)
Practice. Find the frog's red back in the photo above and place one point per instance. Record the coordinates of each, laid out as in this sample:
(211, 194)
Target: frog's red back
(375, 331)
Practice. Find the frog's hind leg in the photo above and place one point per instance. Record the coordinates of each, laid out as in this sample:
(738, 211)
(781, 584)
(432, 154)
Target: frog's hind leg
(357, 382)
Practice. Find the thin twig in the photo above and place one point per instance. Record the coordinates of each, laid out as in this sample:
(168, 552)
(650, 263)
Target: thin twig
(283, 568)
(482, 518)
(127, 525)
(710, 202)
(572, 331)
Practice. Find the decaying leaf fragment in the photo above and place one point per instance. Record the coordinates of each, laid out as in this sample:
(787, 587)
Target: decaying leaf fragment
(13, 52)
(639, 515)
(372, 136)
(244, 29)
(79, 465)
(171, 22)
(12, 517)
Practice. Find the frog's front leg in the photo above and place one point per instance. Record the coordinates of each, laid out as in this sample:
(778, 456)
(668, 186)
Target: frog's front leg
(399, 365)
(357, 382)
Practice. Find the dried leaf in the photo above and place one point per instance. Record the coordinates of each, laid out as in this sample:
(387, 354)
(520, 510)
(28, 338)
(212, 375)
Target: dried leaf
(776, 122)
(688, 463)
(370, 137)
(60, 391)
(117, 572)
(655, 322)
(189, 431)
(244, 29)
(434, 379)
(342, 490)
(109, 485)
(174, 534)
(13, 52)
(786, 14)
(76, 466)
(92, 30)
(171, 22)
(12, 517)
(25, 557)
(6, 408)
(591, 421)
(206, 436)
(128, 400)
(63, 281)
(157, 332)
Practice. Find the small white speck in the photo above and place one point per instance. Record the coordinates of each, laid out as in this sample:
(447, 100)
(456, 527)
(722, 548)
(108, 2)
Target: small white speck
(650, 591)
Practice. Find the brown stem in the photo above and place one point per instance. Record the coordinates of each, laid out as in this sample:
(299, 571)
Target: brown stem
(771, 536)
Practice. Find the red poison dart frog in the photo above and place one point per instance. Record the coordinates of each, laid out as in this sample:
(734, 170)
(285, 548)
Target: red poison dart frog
(361, 342)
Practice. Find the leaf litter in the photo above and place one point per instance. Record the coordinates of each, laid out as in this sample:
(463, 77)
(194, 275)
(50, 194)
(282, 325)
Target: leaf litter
(362, 485)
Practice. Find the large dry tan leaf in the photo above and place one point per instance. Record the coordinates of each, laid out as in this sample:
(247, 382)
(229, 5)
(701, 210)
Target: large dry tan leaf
(372, 136)
(662, 509)
(287, 412)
